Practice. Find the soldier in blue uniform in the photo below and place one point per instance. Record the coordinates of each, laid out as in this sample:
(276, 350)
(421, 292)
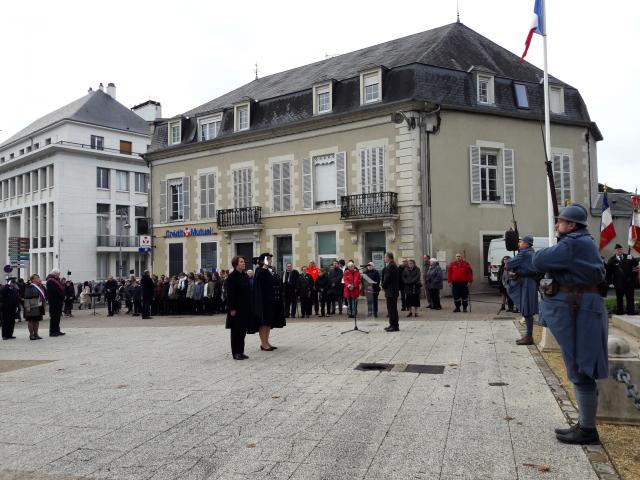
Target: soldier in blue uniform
(574, 312)
(523, 286)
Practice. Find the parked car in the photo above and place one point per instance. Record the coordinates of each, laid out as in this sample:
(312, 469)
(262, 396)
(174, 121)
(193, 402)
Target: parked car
(497, 250)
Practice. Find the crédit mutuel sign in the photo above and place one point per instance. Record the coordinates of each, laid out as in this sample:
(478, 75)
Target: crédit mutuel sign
(189, 232)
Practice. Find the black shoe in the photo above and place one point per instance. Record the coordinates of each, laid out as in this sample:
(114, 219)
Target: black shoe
(61, 334)
(580, 436)
(457, 310)
(564, 431)
(240, 356)
(270, 349)
(391, 329)
(147, 318)
(54, 334)
(33, 337)
(8, 338)
(38, 337)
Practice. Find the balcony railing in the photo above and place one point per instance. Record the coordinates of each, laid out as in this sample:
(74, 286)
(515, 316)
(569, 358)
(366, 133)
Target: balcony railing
(117, 241)
(367, 205)
(239, 217)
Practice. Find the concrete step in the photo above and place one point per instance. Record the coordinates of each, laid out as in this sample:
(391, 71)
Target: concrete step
(629, 324)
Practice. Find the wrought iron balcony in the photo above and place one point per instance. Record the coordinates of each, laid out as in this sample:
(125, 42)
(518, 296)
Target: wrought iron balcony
(116, 241)
(249, 217)
(369, 206)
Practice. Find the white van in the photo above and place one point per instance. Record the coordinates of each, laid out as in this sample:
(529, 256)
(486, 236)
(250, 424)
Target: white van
(497, 250)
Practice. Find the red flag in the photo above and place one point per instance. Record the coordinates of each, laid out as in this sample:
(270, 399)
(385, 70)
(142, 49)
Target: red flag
(607, 230)
(634, 226)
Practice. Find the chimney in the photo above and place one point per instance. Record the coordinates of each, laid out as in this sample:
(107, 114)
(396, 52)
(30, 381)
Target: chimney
(90, 90)
(111, 90)
(101, 87)
(149, 110)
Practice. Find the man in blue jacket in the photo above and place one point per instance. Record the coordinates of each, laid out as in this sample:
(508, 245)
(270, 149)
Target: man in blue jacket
(575, 314)
(523, 286)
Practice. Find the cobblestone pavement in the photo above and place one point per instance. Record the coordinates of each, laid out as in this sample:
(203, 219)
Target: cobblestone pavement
(170, 403)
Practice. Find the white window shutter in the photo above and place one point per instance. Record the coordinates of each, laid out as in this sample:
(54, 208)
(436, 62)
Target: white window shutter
(203, 196)
(474, 161)
(380, 169)
(509, 176)
(276, 186)
(341, 176)
(307, 184)
(236, 188)
(211, 196)
(286, 186)
(249, 188)
(186, 197)
(163, 201)
(364, 169)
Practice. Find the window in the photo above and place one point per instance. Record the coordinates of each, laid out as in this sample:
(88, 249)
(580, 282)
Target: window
(241, 117)
(326, 242)
(27, 183)
(281, 186)
(43, 178)
(522, 101)
(485, 90)
(12, 187)
(28, 149)
(47, 141)
(323, 180)
(370, 87)
(142, 182)
(34, 181)
(97, 142)
(208, 256)
(208, 195)
(36, 146)
(102, 177)
(322, 98)
(210, 127)
(21, 152)
(50, 175)
(102, 266)
(178, 198)
(11, 156)
(123, 226)
(125, 147)
(103, 216)
(242, 188)
(122, 181)
(372, 169)
(141, 221)
(490, 177)
(562, 177)
(1, 159)
(175, 132)
(5, 189)
(19, 184)
(556, 99)
(175, 258)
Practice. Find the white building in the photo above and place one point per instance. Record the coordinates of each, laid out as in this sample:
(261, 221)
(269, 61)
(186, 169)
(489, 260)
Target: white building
(73, 182)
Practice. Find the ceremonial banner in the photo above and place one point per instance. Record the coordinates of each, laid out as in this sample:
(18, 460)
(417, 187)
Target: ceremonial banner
(607, 230)
(634, 226)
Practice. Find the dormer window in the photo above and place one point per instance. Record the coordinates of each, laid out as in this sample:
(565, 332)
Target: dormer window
(485, 90)
(556, 99)
(241, 120)
(209, 127)
(175, 132)
(370, 87)
(522, 100)
(322, 98)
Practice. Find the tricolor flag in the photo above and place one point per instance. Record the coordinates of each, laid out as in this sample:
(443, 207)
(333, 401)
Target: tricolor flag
(634, 226)
(607, 230)
(537, 26)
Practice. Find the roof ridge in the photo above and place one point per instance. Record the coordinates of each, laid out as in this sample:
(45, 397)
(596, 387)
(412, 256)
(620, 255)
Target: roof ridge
(438, 42)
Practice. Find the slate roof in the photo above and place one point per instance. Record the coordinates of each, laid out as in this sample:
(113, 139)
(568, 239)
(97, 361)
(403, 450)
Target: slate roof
(620, 204)
(96, 108)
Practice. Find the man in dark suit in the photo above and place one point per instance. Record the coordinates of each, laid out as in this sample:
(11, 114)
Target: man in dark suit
(110, 291)
(55, 298)
(10, 299)
(290, 282)
(621, 272)
(390, 285)
(147, 286)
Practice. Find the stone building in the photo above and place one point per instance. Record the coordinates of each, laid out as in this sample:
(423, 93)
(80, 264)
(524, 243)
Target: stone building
(423, 144)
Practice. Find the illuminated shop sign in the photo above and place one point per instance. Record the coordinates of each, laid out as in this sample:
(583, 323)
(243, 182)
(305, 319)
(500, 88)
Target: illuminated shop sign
(189, 232)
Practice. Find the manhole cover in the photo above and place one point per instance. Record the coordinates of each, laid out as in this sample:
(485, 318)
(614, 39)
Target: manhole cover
(432, 369)
(379, 367)
(498, 384)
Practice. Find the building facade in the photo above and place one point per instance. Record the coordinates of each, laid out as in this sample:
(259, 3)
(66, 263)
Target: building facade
(415, 146)
(74, 183)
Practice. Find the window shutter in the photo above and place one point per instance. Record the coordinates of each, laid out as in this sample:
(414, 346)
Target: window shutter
(186, 197)
(211, 195)
(203, 196)
(236, 189)
(341, 176)
(163, 201)
(364, 169)
(307, 184)
(276, 185)
(508, 173)
(380, 168)
(249, 188)
(286, 186)
(474, 161)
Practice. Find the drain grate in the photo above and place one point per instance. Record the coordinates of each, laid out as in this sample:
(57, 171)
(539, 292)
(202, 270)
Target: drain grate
(374, 367)
(498, 384)
(431, 369)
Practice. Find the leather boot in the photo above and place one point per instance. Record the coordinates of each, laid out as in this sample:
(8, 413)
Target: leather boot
(580, 436)
(525, 340)
(564, 431)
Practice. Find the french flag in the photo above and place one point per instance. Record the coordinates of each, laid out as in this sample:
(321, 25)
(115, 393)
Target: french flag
(607, 230)
(537, 26)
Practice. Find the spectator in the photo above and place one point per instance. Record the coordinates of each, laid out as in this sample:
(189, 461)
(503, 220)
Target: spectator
(460, 276)
(621, 273)
(411, 283)
(373, 290)
(434, 279)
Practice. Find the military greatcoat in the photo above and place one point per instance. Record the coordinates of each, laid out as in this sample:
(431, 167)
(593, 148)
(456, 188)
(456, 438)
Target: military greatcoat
(523, 290)
(575, 261)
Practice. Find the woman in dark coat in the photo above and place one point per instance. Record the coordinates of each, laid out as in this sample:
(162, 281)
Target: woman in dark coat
(434, 278)
(267, 298)
(411, 285)
(35, 299)
(240, 318)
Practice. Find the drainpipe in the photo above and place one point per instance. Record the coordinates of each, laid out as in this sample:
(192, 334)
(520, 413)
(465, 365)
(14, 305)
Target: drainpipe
(426, 130)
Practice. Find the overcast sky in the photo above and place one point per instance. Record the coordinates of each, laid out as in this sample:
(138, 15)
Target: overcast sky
(186, 53)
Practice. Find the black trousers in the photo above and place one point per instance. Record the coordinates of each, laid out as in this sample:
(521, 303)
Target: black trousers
(434, 295)
(315, 302)
(111, 305)
(146, 307)
(306, 304)
(460, 291)
(621, 295)
(68, 306)
(237, 340)
(392, 309)
(55, 312)
(290, 304)
(403, 298)
(8, 323)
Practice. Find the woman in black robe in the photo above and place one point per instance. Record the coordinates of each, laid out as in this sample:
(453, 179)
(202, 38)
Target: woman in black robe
(240, 318)
(267, 300)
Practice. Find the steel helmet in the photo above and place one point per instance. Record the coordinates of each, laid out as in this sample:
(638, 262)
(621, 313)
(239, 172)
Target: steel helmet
(574, 213)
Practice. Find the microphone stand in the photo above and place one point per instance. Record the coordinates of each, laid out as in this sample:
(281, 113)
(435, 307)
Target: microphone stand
(355, 322)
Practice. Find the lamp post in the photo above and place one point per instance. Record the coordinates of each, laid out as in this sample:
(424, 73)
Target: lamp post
(125, 228)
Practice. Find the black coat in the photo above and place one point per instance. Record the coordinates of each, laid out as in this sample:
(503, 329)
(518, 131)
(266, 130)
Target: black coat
(375, 276)
(335, 281)
(110, 289)
(391, 280)
(621, 273)
(55, 291)
(147, 287)
(323, 285)
(290, 281)
(269, 311)
(239, 299)
(305, 285)
(10, 298)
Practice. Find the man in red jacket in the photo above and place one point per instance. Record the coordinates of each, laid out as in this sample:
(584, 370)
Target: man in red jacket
(460, 276)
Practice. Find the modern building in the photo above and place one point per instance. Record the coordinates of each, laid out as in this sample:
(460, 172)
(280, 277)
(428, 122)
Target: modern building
(74, 183)
(424, 144)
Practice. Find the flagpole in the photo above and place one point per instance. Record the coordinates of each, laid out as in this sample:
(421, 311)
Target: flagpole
(547, 130)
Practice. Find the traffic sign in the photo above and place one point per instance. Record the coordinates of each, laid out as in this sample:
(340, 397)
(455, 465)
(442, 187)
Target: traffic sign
(144, 249)
(145, 241)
